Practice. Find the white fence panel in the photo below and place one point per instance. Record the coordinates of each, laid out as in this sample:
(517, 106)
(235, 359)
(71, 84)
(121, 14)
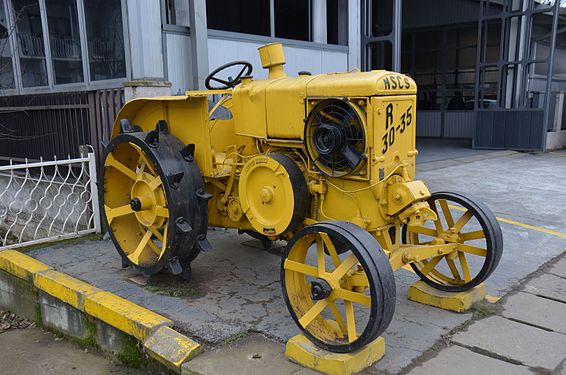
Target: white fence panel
(48, 200)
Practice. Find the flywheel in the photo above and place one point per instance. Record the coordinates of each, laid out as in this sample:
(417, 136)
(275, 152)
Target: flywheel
(153, 199)
(273, 194)
(338, 285)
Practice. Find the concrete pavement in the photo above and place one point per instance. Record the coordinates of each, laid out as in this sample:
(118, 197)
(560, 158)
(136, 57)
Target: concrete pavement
(527, 335)
(236, 289)
(33, 351)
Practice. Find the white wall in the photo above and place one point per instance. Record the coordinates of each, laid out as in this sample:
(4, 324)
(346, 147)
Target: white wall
(222, 51)
(179, 63)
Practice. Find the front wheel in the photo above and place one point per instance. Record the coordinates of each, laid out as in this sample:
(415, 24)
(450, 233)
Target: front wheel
(470, 224)
(338, 285)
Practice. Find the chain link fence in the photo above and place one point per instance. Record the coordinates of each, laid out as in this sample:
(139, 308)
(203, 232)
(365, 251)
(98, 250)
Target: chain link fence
(48, 200)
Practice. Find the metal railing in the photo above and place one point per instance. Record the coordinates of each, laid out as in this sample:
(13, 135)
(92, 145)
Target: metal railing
(48, 200)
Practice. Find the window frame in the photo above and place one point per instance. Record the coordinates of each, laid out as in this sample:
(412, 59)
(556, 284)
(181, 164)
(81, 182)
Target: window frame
(246, 37)
(87, 83)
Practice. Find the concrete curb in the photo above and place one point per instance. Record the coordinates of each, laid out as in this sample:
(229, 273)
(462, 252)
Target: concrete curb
(89, 315)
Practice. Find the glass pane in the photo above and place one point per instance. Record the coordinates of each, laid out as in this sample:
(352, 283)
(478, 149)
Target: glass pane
(105, 39)
(177, 12)
(6, 67)
(242, 16)
(292, 19)
(382, 17)
(30, 43)
(64, 41)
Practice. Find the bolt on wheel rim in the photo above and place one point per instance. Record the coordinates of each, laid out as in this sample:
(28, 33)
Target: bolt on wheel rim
(475, 231)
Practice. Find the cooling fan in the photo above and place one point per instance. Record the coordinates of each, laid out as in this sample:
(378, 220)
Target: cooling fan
(335, 138)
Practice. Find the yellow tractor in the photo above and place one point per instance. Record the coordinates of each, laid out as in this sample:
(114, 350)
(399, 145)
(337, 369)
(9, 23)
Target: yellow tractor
(325, 162)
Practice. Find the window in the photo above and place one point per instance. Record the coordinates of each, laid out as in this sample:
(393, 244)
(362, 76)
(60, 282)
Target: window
(243, 16)
(31, 48)
(6, 67)
(177, 12)
(64, 41)
(105, 39)
(337, 22)
(292, 19)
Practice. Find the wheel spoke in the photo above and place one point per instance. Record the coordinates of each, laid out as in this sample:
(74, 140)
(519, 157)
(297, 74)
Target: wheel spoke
(423, 230)
(351, 321)
(344, 267)
(453, 268)
(142, 158)
(112, 213)
(465, 267)
(462, 221)
(447, 213)
(330, 248)
(135, 256)
(320, 256)
(348, 295)
(336, 314)
(155, 183)
(294, 266)
(162, 211)
(472, 250)
(437, 223)
(313, 312)
(164, 238)
(430, 265)
(119, 166)
(475, 235)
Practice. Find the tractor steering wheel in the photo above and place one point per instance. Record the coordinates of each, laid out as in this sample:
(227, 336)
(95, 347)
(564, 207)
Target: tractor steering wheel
(230, 83)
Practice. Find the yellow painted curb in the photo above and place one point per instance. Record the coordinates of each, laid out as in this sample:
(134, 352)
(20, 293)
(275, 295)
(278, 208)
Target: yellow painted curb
(20, 265)
(171, 348)
(163, 343)
(122, 314)
(64, 287)
(460, 302)
(300, 350)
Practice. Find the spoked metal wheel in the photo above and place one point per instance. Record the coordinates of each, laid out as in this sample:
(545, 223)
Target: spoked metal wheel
(153, 199)
(338, 285)
(470, 224)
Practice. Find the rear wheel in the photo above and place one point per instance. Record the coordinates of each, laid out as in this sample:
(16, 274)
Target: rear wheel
(470, 224)
(338, 285)
(153, 199)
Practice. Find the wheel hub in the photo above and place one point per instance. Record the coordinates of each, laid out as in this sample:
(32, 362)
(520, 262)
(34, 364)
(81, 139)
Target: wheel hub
(145, 200)
(320, 289)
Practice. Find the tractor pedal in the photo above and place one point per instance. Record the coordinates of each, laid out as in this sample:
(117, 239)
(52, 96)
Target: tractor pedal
(174, 266)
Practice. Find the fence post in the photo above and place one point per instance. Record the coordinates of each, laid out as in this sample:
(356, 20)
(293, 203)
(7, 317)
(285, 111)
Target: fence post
(94, 190)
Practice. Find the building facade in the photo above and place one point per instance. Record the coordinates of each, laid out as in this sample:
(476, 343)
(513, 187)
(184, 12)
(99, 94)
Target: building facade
(477, 62)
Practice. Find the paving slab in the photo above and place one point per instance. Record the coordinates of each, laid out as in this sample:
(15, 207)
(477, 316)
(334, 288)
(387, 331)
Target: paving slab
(253, 355)
(549, 286)
(32, 351)
(456, 360)
(559, 268)
(525, 344)
(535, 310)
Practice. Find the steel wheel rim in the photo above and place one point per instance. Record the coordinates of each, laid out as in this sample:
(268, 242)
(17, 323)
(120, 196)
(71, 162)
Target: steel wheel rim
(333, 322)
(152, 219)
(462, 277)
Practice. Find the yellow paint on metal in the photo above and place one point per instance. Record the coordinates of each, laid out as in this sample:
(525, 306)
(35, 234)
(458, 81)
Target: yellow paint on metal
(20, 265)
(124, 315)
(300, 350)
(460, 301)
(522, 225)
(64, 287)
(171, 348)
